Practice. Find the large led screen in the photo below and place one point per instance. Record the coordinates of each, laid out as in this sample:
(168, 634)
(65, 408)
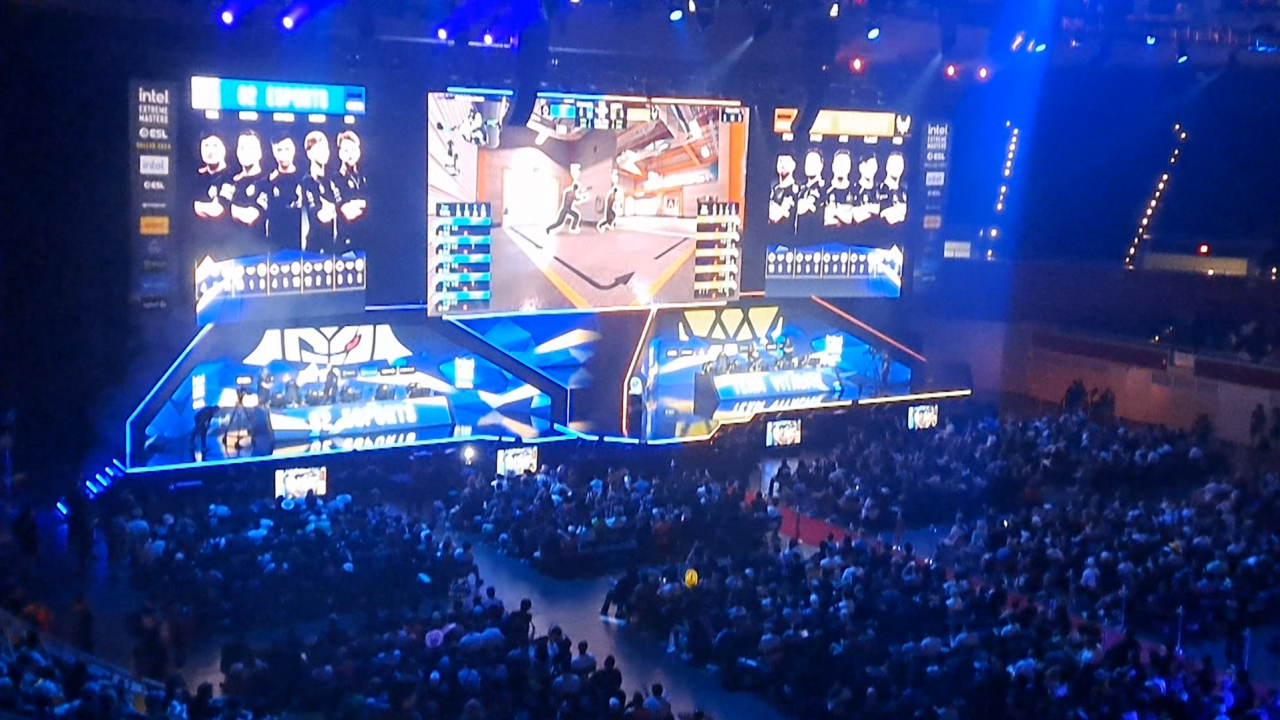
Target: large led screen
(291, 202)
(840, 204)
(271, 392)
(597, 202)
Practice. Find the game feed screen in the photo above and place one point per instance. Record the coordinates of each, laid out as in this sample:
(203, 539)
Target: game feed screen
(597, 202)
(839, 204)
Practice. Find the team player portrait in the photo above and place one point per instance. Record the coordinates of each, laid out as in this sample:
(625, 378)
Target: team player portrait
(867, 202)
(351, 188)
(214, 187)
(249, 198)
(319, 201)
(811, 195)
(782, 197)
(838, 206)
(284, 204)
(893, 196)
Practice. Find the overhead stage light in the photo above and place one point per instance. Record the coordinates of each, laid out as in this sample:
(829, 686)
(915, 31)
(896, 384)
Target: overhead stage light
(1041, 47)
(857, 65)
(951, 71)
(442, 34)
(873, 32)
(228, 18)
(834, 12)
(676, 15)
(287, 22)
(983, 73)
(488, 38)
(1151, 40)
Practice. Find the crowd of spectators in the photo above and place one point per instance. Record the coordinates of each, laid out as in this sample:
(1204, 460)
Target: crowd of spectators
(1256, 339)
(560, 520)
(407, 628)
(1049, 518)
(971, 464)
(857, 630)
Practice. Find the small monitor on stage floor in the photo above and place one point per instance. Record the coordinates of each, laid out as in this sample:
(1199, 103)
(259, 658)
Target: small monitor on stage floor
(517, 461)
(297, 482)
(782, 433)
(922, 417)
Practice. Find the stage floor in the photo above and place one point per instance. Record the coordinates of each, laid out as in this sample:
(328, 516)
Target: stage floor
(643, 260)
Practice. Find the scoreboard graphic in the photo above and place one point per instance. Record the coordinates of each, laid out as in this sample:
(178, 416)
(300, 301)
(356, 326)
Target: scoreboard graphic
(461, 257)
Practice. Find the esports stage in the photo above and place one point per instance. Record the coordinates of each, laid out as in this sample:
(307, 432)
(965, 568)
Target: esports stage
(575, 277)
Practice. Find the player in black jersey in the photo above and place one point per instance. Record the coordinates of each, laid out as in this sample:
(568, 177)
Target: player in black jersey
(782, 197)
(214, 195)
(612, 205)
(249, 199)
(893, 196)
(867, 202)
(352, 186)
(569, 200)
(319, 201)
(284, 206)
(812, 193)
(838, 205)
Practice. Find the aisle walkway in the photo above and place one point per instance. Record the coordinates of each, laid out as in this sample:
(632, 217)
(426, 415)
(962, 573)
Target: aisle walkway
(575, 606)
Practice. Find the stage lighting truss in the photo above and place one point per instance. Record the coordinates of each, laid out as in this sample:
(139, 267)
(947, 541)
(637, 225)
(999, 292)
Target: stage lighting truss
(1157, 196)
(1006, 172)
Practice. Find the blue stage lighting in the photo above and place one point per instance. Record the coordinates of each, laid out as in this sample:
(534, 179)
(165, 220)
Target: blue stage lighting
(1042, 47)
(873, 32)
(228, 18)
(1183, 58)
(442, 34)
(287, 22)
(676, 15)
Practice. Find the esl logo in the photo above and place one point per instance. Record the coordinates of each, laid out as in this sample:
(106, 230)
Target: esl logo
(153, 164)
(153, 133)
(155, 185)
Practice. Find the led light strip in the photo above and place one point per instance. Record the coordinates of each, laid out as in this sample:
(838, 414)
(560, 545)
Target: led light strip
(937, 395)
(1153, 204)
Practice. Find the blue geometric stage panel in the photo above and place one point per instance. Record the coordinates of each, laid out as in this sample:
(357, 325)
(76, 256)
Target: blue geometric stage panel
(375, 381)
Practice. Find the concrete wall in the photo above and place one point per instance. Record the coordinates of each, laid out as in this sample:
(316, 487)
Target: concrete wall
(1006, 359)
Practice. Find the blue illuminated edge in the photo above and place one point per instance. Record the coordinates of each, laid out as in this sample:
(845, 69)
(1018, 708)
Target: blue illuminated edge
(308, 455)
(128, 424)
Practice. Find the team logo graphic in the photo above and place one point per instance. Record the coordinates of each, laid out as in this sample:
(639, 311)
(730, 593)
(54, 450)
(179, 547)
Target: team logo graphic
(329, 346)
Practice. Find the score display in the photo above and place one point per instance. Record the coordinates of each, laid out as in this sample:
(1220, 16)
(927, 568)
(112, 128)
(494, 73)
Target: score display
(839, 204)
(599, 201)
(462, 256)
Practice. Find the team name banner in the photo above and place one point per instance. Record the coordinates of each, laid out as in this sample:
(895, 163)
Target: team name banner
(152, 193)
(781, 383)
(211, 93)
